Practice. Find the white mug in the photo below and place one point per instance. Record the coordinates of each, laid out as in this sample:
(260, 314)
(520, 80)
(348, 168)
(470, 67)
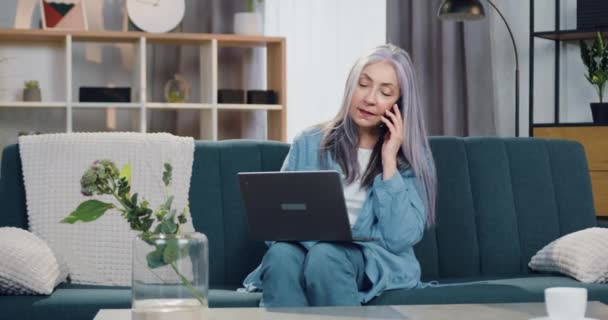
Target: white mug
(565, 303)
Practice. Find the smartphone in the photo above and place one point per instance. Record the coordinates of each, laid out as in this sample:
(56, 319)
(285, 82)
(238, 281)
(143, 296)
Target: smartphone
(383, 128)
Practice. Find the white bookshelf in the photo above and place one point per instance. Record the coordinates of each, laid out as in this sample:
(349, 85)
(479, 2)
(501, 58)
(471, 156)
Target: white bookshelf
(105, 105)
(208, 105)
(267, 107)
(28, 104)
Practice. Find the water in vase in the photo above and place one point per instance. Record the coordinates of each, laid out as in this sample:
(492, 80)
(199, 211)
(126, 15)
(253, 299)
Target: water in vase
(169, 309)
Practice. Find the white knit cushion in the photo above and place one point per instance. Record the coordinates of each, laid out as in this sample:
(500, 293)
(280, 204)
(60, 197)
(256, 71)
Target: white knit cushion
(582, 255)
(28, 265)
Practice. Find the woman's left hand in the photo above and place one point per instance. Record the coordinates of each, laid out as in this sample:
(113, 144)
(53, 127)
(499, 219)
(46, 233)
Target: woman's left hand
(393, 140)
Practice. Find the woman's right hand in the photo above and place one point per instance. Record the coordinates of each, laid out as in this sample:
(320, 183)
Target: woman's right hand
(393, 140)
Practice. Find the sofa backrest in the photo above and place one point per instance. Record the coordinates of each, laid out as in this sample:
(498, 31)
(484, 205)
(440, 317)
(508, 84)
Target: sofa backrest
(499, 201)
(216, 206)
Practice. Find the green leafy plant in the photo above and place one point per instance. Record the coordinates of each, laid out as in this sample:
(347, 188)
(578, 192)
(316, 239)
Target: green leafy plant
(595, 59)
(31, 84)
(104, 178)
(251, 5)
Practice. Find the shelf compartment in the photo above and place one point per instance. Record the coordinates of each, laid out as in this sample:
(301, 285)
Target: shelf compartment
(188, 69)
(31, 104)
(569, 35)
(98, 119)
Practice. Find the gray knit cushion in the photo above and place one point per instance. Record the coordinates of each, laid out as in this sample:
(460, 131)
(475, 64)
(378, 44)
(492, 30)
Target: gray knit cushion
(582, 255)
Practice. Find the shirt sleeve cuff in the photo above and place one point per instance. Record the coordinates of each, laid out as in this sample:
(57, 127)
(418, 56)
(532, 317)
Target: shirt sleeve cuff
(393, 185)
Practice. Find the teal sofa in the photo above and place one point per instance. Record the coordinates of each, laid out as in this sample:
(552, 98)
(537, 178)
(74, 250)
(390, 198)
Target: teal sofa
(500, 200)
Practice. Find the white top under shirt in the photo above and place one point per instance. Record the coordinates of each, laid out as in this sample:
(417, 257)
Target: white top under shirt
(354, 195)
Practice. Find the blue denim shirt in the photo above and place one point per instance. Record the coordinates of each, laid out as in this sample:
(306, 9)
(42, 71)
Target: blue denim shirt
(393, 212)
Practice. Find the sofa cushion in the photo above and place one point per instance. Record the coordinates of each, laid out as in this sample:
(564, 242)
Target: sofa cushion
(478, 290)
(28, 265)
(67, 302)
(84, 301)
(582, 255)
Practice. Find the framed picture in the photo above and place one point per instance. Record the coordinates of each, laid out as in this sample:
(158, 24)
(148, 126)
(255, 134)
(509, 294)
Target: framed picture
(63, 14)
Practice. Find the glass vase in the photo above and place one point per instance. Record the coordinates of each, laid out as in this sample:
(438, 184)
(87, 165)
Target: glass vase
(170, 277)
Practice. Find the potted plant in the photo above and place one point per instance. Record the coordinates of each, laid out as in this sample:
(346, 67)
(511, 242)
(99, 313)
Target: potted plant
(595, 59)
(177, 89)
(249, 22)
(31, 92)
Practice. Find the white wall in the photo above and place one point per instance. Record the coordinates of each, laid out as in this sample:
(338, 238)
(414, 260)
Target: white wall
(324, 39)
(575, 92)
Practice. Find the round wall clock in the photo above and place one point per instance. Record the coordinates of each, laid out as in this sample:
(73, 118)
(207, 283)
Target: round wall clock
(156, 15)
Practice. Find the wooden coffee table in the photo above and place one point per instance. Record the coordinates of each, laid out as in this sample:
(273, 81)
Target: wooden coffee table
(506, 311)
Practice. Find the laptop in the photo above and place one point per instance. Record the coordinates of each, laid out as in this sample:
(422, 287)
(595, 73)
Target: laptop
(296, 206)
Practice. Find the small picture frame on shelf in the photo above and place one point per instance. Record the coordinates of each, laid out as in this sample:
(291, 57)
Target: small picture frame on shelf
(63, 14)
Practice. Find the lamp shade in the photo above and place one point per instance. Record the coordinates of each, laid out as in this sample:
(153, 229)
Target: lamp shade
(461, 10)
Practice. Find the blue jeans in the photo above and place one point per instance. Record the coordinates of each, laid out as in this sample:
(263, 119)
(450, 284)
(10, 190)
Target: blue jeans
(329, 274)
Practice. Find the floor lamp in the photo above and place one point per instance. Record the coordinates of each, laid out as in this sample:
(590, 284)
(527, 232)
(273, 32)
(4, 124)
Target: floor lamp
(470, 10)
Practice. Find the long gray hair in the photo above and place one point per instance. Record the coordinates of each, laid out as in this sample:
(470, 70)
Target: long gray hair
(341, 134)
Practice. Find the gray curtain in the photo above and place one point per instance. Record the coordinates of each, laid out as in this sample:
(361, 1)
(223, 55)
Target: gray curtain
(453, 64)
